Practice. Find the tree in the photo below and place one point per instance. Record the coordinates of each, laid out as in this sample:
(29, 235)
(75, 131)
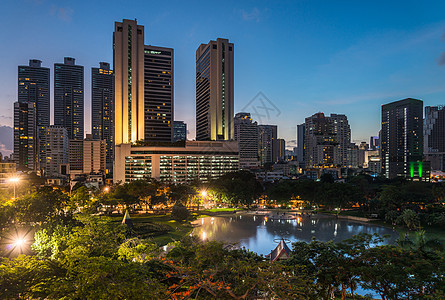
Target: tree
(180, 212)
(239, 188)
(410, 219)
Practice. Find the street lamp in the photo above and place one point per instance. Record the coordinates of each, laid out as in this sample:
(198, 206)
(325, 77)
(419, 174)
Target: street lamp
(204, 193)
(106, 189)
(14, 181)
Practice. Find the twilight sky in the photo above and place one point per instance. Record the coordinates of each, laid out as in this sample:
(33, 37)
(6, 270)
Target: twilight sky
(347, 57)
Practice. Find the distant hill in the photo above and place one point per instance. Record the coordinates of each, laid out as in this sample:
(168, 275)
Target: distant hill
(6, 140)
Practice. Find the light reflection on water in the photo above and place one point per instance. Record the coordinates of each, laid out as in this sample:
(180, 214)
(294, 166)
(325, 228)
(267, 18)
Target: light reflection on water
(257, 233)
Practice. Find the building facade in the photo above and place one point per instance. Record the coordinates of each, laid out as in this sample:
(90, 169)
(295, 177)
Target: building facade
(195, 161)
(128, 63)
(102, 109)
(402, 140)
(69, 97)
(34, 87)
(179, 131)
(158, 93)
(327, 140)
(56, 151)
(267, 136)
(246, 134)
(87, 156)
(25, 136)
(434, 137)
(300, 142)
(215, 91)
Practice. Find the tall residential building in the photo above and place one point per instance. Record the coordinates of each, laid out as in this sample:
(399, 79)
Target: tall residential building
(25, 136)
(69, 97)
(267, 135)
(179, 131)
(300, 142)
(327, 140)
(279, 150)
(158, 93)
(434, 136)
(128, 63)
(87, 156)
(56, 150)
(34, 87)
(102, 112)
(342, 132)
(402, 140)
(214, 91)
(246, 134)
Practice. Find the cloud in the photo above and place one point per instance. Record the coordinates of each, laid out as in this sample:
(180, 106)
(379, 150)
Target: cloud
(253, 15)
(6, 140)
(63, 13)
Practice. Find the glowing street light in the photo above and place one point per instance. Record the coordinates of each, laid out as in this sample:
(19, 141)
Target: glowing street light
(14, 181)
(204, 193)
(106, 189)
(19, 242)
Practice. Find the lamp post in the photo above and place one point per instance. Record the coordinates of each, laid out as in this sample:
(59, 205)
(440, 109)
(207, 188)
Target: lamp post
(14, 181)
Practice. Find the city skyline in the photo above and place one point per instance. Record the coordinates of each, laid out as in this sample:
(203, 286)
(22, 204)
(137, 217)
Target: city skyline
(339, 80)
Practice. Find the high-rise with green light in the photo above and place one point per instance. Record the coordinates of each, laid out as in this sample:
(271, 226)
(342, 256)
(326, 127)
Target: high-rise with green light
(402, 140)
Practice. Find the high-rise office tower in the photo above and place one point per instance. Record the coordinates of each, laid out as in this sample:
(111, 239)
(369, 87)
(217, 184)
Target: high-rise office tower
(214, 90)
(279, 150)
(300, 142)
(267, 135)
(69, 97)
(34, 87)
(56, 149)
(128, 63)
(320, 141)
(102, 112)
(402, 139)
(179, 131)
(434, 136)
(342, 132)
(158, 93)
(246, 134)
(25, 136)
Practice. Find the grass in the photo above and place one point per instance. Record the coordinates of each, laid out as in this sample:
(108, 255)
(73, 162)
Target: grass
(222, 209)
(161, 229)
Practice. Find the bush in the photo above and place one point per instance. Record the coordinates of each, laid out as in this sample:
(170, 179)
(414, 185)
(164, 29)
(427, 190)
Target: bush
(180, 212)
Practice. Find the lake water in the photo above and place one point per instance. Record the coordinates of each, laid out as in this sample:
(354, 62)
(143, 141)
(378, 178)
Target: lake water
(257, 233)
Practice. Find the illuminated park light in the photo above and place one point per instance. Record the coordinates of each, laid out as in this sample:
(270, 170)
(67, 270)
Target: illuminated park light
(204, 193)
(14, 179)
(19, 242)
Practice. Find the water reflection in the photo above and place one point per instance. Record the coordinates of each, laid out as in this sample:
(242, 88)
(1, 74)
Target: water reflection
(257, 233)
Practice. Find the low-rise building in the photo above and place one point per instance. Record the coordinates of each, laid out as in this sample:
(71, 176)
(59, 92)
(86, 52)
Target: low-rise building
(196, 160)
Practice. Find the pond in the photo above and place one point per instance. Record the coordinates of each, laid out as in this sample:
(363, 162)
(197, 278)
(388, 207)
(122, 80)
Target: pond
(257, 233)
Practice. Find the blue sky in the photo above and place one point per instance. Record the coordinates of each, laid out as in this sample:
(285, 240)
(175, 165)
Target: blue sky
(346, 57)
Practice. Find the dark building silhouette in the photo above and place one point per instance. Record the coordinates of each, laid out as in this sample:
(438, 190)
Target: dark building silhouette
(179, 131)
(102, 112)
(267, 136)
(434, 136)
(69, 97)
(402, 140)
(34, 87)
(158, 94)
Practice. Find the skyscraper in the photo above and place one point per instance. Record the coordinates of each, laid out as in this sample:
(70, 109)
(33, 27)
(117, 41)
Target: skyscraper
(87, 156)
(279, 150)
(128, 63)
(25, 136)
(34, 87)
(158, 93)
(434, 136)
(402, 139)
(179, 131)
(56, 149)
(69, 97)
(327, 140)
(214, 90)
(300, 142)
(102, 113)
(246, 134)
(267, 135)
